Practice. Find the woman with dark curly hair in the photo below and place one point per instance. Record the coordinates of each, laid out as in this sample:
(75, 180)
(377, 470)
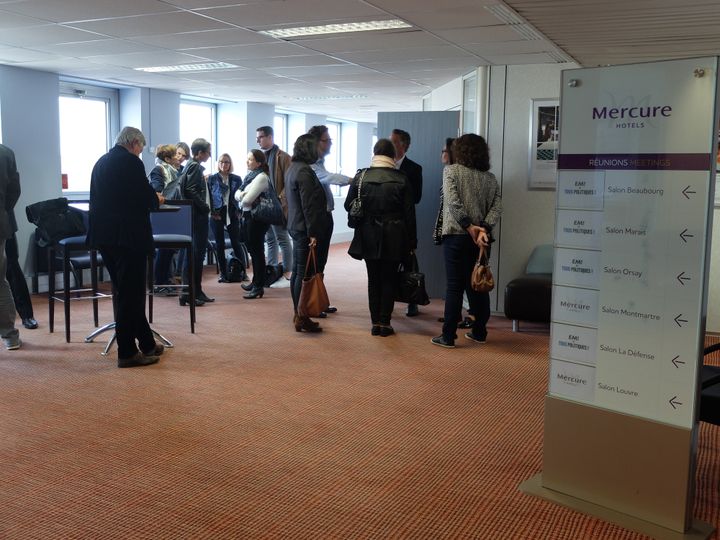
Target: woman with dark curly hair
(471, 208)
(307, 218)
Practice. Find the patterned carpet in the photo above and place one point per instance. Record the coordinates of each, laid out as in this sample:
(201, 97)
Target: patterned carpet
(248, 429)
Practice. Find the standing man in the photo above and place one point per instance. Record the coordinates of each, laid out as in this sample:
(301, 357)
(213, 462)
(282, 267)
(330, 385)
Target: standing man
(194, 188)
(9, 195)
(278, 162)
(413, 171)
(121, 200)
(326, 180)
(16, 279)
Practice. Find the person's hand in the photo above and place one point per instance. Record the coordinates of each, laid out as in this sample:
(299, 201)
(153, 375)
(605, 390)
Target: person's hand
(313, 242)
(160, 197)
(479, 235)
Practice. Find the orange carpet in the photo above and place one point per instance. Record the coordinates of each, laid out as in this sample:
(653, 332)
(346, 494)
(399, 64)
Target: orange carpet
(248, 429)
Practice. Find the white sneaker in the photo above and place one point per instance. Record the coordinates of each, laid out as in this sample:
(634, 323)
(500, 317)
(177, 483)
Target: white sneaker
(282, 283)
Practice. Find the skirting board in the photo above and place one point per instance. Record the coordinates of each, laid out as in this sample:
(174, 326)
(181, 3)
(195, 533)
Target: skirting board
(698, 531)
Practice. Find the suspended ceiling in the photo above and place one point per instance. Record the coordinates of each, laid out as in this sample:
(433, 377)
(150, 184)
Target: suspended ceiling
(348, 75)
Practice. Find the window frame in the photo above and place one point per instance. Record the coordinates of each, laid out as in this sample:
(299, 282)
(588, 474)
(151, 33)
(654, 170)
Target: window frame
(111, 97)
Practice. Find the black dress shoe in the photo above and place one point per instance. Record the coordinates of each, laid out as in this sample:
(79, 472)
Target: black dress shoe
(375, 330)
(30, 323)
(323, 315)
(157, 350)
(386, 331)
(137, 360)
(185, 300)
(331, 309)
(204, 297)
(247, 286)
(412, 310)
(223, 279)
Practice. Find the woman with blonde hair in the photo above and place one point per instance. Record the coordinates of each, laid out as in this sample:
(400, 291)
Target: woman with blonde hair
(224, 213)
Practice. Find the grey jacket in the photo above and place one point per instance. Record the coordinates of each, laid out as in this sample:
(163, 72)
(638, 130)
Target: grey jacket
(9, 190)
(470, 197)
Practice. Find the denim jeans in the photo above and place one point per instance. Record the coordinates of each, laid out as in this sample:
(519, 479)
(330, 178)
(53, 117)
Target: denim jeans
(277, 236)
(301, 250)
(460, 254)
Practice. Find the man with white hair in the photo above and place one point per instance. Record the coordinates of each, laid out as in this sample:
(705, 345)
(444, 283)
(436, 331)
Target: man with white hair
(121, 200)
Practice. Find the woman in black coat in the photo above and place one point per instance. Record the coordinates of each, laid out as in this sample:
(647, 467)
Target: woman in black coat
(307, 217)
(386, 234)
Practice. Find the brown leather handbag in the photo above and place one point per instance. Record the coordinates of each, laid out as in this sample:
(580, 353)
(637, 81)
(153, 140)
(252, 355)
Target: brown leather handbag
(313, 295)
(482, 279)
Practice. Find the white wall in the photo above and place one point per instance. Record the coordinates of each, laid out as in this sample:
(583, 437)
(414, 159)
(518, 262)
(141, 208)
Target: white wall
(31, 128)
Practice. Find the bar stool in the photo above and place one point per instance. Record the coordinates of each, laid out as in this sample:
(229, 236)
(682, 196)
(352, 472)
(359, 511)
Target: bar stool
(172, 229)
(64, 249)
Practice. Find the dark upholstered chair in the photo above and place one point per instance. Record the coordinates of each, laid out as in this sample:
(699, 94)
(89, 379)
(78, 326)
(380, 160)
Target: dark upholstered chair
(528, 297)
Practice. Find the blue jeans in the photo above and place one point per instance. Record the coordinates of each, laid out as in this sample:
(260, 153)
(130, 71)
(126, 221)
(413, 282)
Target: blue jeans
(301, 249)
(460, 254)
(277, 236)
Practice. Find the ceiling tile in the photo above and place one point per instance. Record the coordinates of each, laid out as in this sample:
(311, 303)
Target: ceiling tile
(520, 59)
(304, 12)
(480, 34)
(445, 19)
(206, 38)
(372, 41)
(12, 20)
(82, 10)
(146, 25)
(84, 49)
(45, 35)
(144, 59)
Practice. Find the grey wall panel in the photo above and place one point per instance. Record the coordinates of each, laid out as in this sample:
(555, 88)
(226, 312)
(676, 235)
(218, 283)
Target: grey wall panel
(428, 131)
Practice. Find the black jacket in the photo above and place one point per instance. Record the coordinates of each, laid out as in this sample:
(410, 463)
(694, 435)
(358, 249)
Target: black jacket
(387, 230)
(121, 200)
(307, 204)
(413, 171)
(194, 187)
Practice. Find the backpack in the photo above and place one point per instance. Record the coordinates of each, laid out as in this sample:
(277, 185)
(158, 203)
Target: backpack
(235, 270)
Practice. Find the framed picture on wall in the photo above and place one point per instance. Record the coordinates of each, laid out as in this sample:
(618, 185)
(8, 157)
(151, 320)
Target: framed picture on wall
(543, 147)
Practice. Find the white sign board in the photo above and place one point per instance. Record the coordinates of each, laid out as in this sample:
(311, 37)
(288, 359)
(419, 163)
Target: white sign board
(635, 195)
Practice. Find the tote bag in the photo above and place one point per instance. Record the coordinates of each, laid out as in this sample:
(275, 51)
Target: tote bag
(313, 295)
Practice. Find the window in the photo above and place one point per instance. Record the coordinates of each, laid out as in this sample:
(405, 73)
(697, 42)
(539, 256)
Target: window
(332, 160)
(280, 131)
(470, 108)
(197, 120)
(86, 125)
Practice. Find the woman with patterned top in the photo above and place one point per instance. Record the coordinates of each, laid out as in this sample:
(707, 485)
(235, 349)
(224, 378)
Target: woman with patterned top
(471, 208)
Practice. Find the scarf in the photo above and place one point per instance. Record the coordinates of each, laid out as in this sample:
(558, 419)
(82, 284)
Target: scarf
(249, 178)
(169, 172)
(382, 161)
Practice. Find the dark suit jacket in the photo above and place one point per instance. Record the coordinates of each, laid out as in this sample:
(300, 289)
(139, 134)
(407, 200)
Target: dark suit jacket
(120, 202)
(9, 191)
(194, 187)
(413, 171)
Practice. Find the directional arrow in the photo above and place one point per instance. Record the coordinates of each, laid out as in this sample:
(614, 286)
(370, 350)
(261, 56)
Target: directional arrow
(687, 191)
(685, 235)
(672, 401)
(678, 320)
(681, 278)
(675, 361)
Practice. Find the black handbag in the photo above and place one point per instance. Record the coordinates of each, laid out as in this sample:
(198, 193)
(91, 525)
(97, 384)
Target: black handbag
(411, 284)
(267, 208)
(356, 212)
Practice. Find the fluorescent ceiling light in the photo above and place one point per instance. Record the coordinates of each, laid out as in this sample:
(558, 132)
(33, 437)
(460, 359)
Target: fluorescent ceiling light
(330, 98)
(207, 66)
(285, 33)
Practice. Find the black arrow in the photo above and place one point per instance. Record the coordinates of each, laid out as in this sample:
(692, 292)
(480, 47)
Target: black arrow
(681, 278)
(678, 320)
(675, 361)
(673, 402)
(686, 191)
(685, 234)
